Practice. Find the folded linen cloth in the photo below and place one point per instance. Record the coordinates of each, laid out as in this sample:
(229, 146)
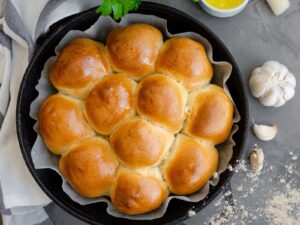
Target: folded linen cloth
(21, 23)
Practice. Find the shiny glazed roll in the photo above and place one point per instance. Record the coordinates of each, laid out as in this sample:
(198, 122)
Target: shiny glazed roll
(162, 100)
(211, 115)
(110, 102)
(90, 167)
(79, 65)
(61, 123)
(132, 50)
(190, 165)
(134, 193)
(139, 144)
(136, 119)
(186, 61)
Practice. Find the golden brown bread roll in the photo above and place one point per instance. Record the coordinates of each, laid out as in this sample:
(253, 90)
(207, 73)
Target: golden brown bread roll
(134, 193)
(90, 167)
(211, 115)
(162, 100)
(190, 165)
(79, 65)
(186, 61)
(133, 49)
(110, 102)
(61, 123)
(139, 144)
(168, 85)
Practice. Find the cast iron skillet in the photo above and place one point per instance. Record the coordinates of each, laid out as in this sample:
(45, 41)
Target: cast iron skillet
(50, 181)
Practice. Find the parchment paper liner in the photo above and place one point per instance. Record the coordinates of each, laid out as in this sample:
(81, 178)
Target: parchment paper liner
(42, 158)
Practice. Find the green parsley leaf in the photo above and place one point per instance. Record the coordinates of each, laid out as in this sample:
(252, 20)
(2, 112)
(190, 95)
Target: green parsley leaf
(118, 8)
(131, 5)
(105, 8)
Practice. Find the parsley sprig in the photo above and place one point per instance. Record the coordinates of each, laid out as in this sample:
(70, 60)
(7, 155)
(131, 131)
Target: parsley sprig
(119, 8)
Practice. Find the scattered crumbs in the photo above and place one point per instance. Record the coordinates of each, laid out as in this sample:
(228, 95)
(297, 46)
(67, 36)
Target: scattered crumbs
(279, 205)
(219, 201)
(282, 181)
(294, 158)
(271, 167)
(290, 169)
(239, 188)
(191, 213)
(223, 219)
(251, 190)
(228, 193)
(282, 208)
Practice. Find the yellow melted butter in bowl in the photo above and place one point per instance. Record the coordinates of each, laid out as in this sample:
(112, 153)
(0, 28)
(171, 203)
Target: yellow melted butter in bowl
(224, 4)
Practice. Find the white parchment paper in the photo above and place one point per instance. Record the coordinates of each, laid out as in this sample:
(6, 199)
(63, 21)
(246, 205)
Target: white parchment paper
(42, 158)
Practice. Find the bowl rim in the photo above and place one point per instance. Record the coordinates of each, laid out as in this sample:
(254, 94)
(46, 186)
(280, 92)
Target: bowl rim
(231, 10)
(77, 17)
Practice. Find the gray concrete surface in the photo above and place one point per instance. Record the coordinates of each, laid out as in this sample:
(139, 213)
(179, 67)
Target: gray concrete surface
(253, 37)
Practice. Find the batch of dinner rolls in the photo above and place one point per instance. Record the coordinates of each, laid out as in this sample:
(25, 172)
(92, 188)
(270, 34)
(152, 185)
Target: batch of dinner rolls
(136, 119)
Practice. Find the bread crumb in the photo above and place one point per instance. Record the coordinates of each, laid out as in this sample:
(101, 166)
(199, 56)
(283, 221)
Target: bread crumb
(283, 208)
(294, 158)
(282, 181)
(228, 193)
(191, 213)
(280, 204)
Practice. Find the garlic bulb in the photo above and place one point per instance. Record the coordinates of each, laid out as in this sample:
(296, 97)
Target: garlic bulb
(265, 132)
(272, 84)
(256, 158)
(279, 6)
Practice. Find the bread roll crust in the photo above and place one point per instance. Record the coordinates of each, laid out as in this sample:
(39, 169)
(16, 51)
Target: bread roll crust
(133, 193)
(190, 165)
(133, 50)
(211, 115)
(110, 102)
(186, 61)
(61, 123)
(162, 100)
(90, 167)
(79, 65)
(135, 119)
(139, 144)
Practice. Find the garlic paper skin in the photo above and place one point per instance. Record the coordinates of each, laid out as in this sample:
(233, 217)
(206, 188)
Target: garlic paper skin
(256, 158)
(272, 84)
(265, 132)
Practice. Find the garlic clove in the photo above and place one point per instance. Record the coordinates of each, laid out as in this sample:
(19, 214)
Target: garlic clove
(270, 98)
(279, 6)
(290, 79)
(280, 97)
(280, 101)
(283, 69)
(265, 132)
(273, 66)
(257, 83)
(256, 158)
(289, 91)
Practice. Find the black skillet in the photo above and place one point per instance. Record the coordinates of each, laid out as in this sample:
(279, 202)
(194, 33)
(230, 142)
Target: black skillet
(50, 182)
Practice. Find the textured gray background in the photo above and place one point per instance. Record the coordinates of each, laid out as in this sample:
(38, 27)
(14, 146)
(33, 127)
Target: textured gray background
(253, 37)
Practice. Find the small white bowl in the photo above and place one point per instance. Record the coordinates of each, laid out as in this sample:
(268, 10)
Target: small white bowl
(222, 12)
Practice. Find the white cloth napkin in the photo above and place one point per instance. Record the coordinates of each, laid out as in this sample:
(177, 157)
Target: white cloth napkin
(21, 199)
